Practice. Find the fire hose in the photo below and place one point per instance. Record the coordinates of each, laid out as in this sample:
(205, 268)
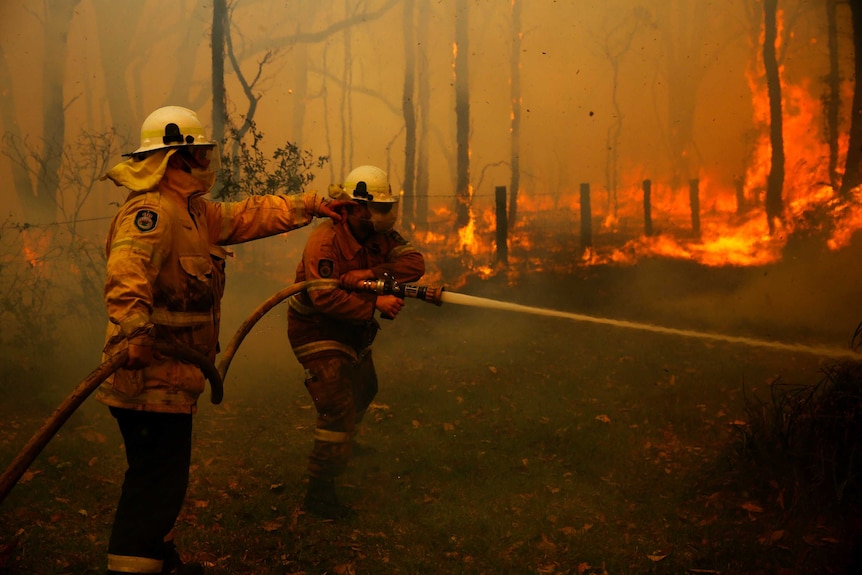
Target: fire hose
(53, 424)
(386, 286)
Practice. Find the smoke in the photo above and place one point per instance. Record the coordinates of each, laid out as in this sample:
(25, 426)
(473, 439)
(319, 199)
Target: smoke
(810, 296)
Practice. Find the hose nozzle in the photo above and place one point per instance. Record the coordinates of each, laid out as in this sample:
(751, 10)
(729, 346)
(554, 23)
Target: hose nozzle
(388, 286)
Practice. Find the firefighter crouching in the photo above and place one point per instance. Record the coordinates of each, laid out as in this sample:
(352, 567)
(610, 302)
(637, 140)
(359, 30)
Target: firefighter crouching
(165, 279)
(331, 327)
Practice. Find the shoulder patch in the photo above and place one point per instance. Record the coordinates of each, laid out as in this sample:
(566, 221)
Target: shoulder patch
(325, 268)
(146, 220)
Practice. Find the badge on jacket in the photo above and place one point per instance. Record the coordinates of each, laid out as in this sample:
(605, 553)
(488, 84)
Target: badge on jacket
(145, 220)
(324, 268)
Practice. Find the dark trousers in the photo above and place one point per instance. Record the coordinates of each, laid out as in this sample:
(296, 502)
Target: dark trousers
(158, 452)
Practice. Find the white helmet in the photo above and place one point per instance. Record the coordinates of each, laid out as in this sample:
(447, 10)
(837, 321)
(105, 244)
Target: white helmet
(171, 127)
(369, 183)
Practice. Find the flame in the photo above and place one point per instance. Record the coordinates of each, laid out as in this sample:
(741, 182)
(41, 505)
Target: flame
(467, 237)
(733, 229)
(33, 248)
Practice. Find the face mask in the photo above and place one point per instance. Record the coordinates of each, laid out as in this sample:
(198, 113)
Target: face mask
(202, 164)
(383, 221)
(207, 178)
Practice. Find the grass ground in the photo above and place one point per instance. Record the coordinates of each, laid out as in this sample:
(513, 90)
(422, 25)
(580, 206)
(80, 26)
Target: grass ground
(499, 444)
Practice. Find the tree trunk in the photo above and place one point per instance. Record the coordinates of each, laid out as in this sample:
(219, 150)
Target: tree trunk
(853, 162)
(462, 113)
(116, 53)
(683, 32)
(408, 108)
(613, 141)
(833, 98)
(347, 102)
(181, 91)
(300, 94)
(617, 43)
(424, 86)
(515, 93)
(43, 202)
(13, 136)
(219, 95)
(775, 180)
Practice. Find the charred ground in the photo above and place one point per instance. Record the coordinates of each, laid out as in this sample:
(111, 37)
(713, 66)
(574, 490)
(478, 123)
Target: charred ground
(499, 442)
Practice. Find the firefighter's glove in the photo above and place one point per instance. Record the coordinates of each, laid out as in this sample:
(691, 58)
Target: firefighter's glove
(353, 279)
(326, 208)
(140, 348)
(388, 306)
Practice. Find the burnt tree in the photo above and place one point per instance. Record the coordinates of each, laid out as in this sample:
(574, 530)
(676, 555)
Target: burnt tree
(853, 162)
(217, 46)
(346, 154)
(833, 96)
(420, 215)
(408, 109)
(296, 43)
(118, 48)
(681, 30)
(617, 42)
(462, 113)
(515, 96)
(35, 171)
(775, 180)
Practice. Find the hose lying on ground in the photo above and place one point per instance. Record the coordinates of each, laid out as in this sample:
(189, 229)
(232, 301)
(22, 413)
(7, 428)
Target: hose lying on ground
(38, 442)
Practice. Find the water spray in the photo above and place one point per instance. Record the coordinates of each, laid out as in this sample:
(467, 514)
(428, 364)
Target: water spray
(439, 295)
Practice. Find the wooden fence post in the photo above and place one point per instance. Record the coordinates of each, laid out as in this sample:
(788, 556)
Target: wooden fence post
(647, 188)
(502, 226)
(694, 201)
(586, 218)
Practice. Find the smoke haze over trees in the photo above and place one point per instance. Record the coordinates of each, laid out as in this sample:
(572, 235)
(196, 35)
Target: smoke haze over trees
(681, 96)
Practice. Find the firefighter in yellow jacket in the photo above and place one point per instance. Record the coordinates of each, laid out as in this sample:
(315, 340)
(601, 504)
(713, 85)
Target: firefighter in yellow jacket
(165, 279)
(331, 326)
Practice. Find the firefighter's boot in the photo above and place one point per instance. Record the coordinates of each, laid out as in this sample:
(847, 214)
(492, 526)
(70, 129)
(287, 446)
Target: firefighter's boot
(174, 565)
(320, 500)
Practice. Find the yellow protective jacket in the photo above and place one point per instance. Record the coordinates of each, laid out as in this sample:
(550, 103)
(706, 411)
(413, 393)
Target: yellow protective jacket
(165, 275)
(327, 319)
